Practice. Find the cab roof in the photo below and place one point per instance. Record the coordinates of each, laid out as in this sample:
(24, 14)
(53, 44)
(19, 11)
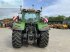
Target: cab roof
(30, 10)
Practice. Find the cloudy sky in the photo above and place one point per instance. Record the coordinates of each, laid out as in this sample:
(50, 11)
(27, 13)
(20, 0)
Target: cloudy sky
(50, 7)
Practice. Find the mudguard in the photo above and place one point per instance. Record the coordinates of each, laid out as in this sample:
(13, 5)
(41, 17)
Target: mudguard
(19, 26)
(43, 26)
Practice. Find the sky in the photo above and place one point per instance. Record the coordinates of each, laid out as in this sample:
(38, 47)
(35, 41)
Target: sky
(50, 7)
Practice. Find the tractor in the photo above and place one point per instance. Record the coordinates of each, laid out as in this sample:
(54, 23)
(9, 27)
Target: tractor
(30, 29)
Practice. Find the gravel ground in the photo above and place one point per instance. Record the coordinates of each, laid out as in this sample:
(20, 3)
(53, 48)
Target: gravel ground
(59, 42)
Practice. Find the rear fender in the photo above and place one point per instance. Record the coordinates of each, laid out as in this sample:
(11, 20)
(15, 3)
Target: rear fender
(19, 26)
(43, 26)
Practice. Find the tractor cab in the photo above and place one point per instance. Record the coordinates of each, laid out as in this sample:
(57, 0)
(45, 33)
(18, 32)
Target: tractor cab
(30, 15)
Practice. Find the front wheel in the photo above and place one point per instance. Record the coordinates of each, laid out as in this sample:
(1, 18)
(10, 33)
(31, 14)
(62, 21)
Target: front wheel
(42, 41)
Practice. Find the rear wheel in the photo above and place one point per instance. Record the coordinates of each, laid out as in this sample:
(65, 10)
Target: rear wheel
(43, 40)
(16, 39)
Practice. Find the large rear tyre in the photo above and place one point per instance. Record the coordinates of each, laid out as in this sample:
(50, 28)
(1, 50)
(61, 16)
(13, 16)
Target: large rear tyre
(16, 39)
(42, 42)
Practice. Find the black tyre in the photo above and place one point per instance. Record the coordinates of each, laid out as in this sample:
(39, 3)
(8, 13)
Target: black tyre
(43, 40)
(16, 39)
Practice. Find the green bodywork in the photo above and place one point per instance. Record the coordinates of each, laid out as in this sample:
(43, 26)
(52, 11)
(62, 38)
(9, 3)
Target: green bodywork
(21, 24)
(42, 26)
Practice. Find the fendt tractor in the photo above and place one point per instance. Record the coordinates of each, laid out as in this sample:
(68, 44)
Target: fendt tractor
(30, 29)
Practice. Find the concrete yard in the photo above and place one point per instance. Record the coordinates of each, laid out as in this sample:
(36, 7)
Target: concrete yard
(59, 41)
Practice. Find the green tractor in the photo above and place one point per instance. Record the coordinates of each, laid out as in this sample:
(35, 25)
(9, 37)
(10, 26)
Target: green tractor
(30, 29)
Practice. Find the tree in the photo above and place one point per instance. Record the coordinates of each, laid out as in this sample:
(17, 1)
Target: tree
(67, 19)
(57, 18)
